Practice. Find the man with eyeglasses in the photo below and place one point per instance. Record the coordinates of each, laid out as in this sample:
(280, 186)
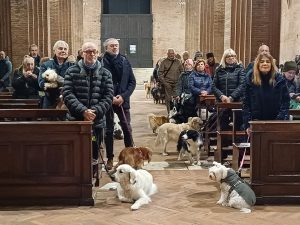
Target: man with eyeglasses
(88, 92)
(124, 84)
(59, 64)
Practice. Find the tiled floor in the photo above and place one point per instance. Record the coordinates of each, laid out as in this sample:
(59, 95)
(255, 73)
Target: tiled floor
(186, 196)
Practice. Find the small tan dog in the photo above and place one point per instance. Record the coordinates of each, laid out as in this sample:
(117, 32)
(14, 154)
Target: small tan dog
(171, 131)
(156, 120)
(134, 156)
(147, 86)
(52, 80)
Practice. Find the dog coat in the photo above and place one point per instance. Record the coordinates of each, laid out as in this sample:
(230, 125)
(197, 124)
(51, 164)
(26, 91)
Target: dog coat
(240, 186)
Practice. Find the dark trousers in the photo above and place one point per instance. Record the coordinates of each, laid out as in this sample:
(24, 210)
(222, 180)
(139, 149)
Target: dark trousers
(98, 139)
(125, 125)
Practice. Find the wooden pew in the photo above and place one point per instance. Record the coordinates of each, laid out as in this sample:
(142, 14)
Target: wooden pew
(46, 163)
(19, 100)
(206, 102)
(32, 114)
(221, 134)
(6, 96)
(19, 105)
(275, 167)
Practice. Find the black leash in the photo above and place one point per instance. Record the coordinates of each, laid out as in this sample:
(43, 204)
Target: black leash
(127, 125)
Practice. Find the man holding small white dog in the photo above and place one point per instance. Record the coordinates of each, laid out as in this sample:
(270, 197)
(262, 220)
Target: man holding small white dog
(88, 91)
(59, 64)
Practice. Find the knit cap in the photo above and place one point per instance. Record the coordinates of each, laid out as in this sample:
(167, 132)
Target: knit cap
(209, 54)
(289, 65)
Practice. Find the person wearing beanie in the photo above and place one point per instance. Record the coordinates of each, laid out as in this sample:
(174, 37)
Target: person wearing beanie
(211, 65)
(289, 72)
(198, 55)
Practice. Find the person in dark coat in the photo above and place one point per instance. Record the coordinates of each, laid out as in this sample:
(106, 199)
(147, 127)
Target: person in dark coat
(88, 91)
(184, 100)
(124, 84)
(5, 71)
(25, 81)
(228, 85)
(60, 64)
(289, 73)
(211, 66)
(266, 93)
(34, 53)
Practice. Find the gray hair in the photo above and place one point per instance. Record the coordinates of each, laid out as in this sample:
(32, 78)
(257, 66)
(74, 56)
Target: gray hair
(105, 43)
(227, 52)
(59, 44)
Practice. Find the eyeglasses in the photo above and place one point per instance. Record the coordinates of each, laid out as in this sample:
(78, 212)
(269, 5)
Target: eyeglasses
(228, 56)
(91, 51)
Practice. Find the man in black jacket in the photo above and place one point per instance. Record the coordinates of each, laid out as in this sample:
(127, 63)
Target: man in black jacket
(88, 91)
(124, 84)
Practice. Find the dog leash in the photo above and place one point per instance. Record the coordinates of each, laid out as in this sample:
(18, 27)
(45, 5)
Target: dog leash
(244, 155)
(102, 158)
(123, 113)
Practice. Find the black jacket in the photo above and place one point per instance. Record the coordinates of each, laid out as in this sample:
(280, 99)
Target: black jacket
(126, 83)
(255, 104)
(229, 81)
(86, 90)
(25, 87)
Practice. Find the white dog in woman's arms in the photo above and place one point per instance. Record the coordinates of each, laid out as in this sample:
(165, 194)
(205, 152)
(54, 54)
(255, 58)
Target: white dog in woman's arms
(170, 131)
(134, 186)
(235, 192)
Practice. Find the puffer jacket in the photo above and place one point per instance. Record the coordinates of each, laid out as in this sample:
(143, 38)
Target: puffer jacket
(229, 81)
(199, 81)
(183, 83)
(253, 102)
(84, 90)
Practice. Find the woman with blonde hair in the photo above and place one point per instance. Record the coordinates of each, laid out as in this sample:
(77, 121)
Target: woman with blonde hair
(227, 85)
(25, 80)
(266, 93)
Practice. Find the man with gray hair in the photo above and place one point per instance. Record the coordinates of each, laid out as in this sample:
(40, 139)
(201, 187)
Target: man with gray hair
(88, 92)
(168, 74)
(124, 84)
(59, 64)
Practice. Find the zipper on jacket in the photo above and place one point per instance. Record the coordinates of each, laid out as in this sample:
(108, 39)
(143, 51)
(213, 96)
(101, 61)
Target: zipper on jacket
(89, 88)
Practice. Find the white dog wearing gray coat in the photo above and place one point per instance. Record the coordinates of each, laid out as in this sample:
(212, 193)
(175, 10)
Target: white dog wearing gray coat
(134, 186)
(235, 192)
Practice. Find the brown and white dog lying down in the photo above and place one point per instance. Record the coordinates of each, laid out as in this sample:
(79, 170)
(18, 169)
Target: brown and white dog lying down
(134, 156)
(171, 131)
(156, 120)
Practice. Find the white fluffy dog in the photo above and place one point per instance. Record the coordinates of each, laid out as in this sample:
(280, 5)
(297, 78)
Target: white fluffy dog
(170, 131)
(134, 186)
(235, 192)
(52, 80)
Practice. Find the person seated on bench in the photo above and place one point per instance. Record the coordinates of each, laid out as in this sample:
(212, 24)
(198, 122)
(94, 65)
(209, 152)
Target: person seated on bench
(25, 80)
(266, 93)
(88, 92)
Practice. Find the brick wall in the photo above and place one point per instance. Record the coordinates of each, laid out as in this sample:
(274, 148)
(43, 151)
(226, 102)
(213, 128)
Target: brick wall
(168, 27)
(28, 25)
(91, 21)
(5, 27)
(205, 26)
(290, 31)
